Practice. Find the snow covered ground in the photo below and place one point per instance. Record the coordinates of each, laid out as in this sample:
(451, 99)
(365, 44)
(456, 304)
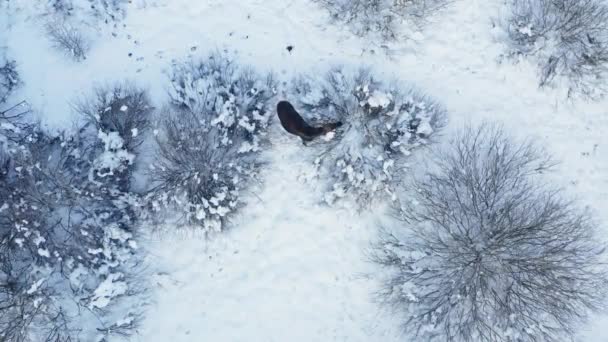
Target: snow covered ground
(290, 269)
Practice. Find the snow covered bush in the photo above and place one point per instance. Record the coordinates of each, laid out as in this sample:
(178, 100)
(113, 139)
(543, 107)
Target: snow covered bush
(121, 116)
(106, 10)
(210, 140)
(9, 79)
(61, 7)
(382, 125)
(569, 37)
(68, 39)
(381, 17)
(68, 251)
(487, 251)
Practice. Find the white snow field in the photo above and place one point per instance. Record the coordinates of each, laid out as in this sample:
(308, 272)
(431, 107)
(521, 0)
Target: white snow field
(288, 268)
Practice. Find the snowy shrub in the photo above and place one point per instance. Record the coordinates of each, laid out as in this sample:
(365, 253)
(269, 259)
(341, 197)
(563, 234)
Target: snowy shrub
(382, 125)
(381, 17)
(61, 7)
(569, 37)
(106, 10)
(68, 39)
(68, 252)
(210, 140)
(121, 115)
(109, 10)
(9, 79)
(487, 251)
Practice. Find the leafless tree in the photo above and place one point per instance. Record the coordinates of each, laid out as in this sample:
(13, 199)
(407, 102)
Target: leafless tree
(484, 250)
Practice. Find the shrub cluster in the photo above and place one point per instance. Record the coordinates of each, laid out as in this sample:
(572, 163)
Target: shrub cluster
(68, 250)
(381, 17)
(569, 37)
(382, 125)
(9, 79)
(210, 139)
(106, 10)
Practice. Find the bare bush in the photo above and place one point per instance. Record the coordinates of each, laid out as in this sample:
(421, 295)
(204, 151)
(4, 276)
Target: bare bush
(68, 39)
(382, 17)
(109, 10)
(487, 251)
(68, 251)
(382, 125)
(122, 108)
(61, 7)
(569, 37)
(106, 10)
(120, 117)
(210, 140)
(9, 79)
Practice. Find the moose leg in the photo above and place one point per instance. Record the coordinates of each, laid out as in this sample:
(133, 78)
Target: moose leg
(306, 139)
